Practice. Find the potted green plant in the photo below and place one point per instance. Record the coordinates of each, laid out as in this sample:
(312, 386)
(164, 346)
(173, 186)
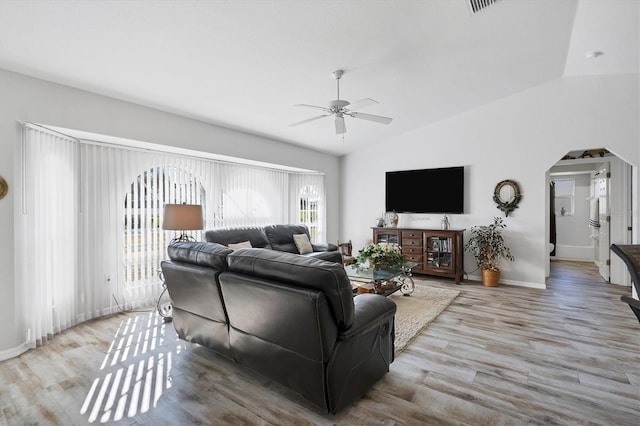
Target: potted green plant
(487, 245)
(380, 256)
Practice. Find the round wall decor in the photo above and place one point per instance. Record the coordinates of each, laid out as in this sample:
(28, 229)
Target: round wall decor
(4, 188)
(507, 196)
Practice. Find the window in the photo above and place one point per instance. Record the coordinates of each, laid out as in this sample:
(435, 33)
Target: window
(107, 228)
(308, 211)
(145, 242)
(565, 196)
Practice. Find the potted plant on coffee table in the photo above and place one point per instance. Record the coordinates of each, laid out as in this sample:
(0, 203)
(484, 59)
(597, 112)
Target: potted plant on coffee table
(380, 256)
(487, 245)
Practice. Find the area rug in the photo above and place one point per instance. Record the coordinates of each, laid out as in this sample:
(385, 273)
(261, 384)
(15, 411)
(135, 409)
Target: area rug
(414, 313)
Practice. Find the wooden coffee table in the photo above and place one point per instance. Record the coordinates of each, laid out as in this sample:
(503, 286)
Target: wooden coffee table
(384, 281)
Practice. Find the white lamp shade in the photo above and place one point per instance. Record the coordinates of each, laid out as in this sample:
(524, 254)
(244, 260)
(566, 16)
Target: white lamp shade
(182, 217)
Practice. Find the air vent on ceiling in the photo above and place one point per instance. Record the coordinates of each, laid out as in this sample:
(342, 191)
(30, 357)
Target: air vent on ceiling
(476, 6)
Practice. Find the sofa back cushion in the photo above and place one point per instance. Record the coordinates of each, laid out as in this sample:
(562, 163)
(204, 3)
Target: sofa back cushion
(199, 253)
(281, 236)
(300, 271)
(193, 289)
(191, 277)
(285, 333)
(255, 235)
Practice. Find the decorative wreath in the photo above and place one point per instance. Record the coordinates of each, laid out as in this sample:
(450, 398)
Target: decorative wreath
(507, 206)
(4, 188)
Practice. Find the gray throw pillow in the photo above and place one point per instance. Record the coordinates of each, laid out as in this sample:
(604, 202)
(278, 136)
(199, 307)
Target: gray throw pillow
(236, 246)
(303, 243)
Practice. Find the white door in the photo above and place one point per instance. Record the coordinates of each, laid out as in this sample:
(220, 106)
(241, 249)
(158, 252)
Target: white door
(602, 233)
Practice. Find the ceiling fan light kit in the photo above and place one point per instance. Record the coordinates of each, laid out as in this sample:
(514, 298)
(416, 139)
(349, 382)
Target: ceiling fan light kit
(340, 107)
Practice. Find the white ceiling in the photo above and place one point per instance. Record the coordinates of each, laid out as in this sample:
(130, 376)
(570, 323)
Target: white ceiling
(244, 64)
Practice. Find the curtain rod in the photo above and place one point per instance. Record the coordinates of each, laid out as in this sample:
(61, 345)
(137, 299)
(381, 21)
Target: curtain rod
(30, 124)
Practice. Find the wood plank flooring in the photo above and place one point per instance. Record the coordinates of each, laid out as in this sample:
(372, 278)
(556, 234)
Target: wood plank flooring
(569, 354)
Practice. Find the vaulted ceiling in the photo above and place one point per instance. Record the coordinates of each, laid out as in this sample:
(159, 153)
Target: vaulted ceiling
(244, 64)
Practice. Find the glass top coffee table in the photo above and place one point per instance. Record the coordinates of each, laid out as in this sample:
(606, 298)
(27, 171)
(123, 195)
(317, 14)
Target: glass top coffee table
(383, 281)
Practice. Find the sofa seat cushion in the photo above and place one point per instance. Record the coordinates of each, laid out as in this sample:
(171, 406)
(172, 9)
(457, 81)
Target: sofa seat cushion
(255, 235)
(300, 271)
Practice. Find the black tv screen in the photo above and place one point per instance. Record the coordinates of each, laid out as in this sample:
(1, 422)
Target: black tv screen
(425, 191)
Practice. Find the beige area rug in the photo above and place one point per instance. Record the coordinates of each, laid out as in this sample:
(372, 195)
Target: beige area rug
(414, 313)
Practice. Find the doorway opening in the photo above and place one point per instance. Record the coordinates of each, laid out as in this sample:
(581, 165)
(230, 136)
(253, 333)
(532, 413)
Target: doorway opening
(590, 205)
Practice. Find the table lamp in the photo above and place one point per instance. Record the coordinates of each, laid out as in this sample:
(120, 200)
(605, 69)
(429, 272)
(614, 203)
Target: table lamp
(182, 217)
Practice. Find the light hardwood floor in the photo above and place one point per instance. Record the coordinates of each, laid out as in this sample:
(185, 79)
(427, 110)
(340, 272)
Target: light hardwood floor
(508, 355)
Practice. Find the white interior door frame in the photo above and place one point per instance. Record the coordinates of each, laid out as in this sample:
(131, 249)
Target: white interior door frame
(622, 227)
(600, 189)
(620, 211)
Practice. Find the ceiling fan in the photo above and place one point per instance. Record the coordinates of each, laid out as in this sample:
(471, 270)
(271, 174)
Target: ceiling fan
(339, 108)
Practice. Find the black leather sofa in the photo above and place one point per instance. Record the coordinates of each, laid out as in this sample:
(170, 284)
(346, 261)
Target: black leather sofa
(288, 317)
(630, 255)
(274, 237)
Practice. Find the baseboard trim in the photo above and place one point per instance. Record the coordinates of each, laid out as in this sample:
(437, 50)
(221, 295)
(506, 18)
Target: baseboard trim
(23, 347)
(14, 352)
(512, 282)
(552, 258)
(580, 253)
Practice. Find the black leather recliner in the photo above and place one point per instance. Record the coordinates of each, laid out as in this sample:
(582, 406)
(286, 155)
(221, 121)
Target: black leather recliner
(290, 318)
(274, 237)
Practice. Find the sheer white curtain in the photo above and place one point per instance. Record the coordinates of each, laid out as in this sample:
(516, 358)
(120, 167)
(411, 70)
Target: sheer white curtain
(47, 272)
(123, 193)
(90, 234)
(154, 180)
(250, 196)
(90, 230)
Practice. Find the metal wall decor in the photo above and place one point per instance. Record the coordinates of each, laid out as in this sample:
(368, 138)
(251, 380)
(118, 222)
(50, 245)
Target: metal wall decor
(507, 195)
(4, 187)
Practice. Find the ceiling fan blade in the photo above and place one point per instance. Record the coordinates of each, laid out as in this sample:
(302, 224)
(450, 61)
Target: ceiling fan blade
(340, 127)
(308, 120)
(362, 103)
(371, 117)
(314, 107)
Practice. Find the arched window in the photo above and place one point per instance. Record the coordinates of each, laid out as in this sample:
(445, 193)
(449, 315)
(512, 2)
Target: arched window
(145, 242)
(308, 209)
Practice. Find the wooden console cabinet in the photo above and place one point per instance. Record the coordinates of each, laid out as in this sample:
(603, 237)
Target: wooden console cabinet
(436, 251)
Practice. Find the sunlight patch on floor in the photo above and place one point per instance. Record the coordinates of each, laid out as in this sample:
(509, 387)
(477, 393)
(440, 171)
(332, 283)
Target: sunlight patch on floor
(136, 370)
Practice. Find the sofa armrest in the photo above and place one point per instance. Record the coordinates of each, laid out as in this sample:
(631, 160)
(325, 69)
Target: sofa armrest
(324, 247)
(329, 256)
(371, 310)
(363, 353)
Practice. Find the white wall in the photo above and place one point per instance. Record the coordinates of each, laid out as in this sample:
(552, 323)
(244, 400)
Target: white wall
(27, 99)
(519, 137)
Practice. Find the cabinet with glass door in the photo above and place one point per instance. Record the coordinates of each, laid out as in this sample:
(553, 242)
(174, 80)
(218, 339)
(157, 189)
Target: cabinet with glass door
(437, 252)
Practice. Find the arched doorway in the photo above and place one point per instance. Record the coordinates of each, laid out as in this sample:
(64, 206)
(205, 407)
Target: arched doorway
(589, 193)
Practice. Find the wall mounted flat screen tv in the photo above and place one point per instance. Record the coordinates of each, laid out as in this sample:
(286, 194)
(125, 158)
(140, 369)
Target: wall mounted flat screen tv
(425, 191)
